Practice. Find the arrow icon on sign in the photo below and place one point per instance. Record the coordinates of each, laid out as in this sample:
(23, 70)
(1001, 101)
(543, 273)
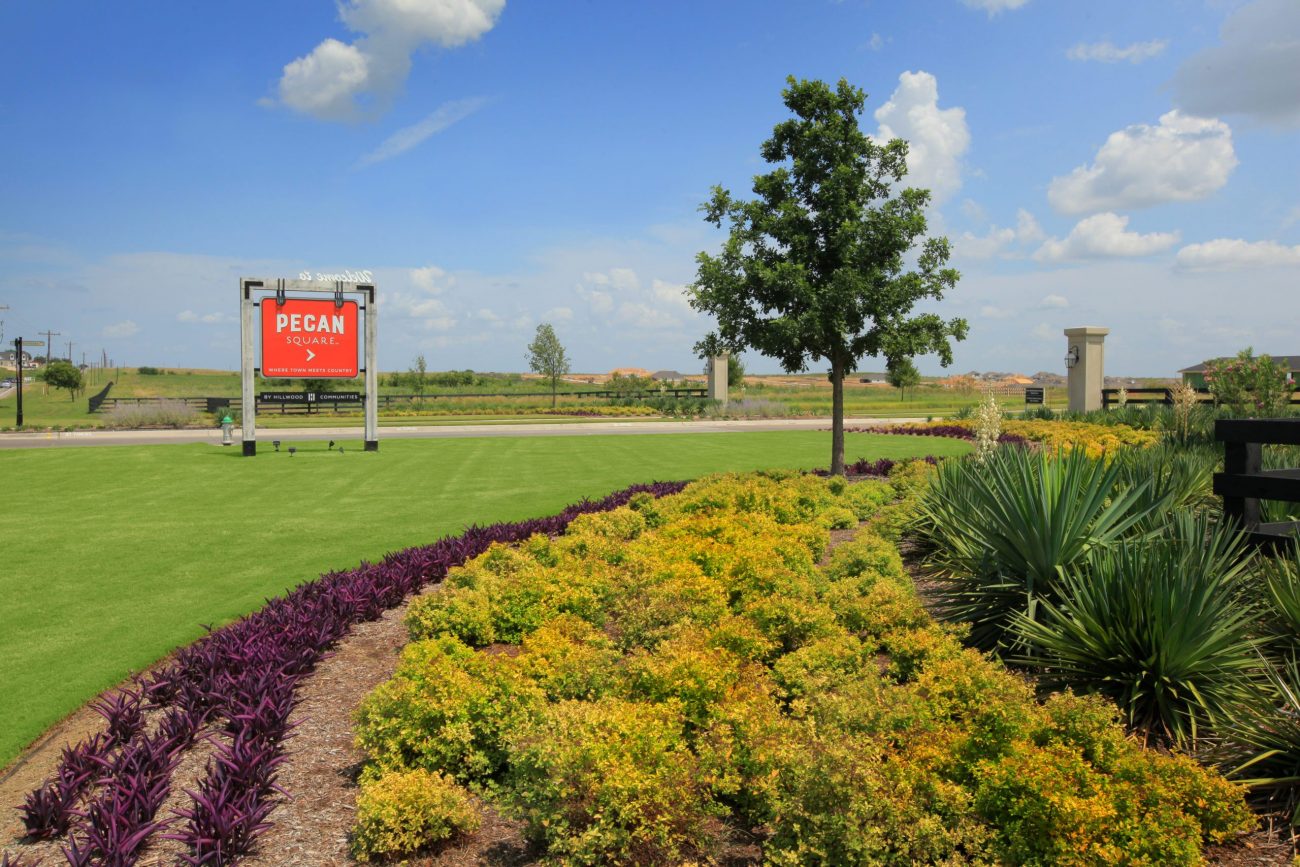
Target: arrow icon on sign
(310, 355)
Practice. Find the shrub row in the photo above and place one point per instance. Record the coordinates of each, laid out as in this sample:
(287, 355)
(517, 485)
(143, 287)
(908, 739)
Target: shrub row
(238, 684)
(1094, 439)
(676, 671)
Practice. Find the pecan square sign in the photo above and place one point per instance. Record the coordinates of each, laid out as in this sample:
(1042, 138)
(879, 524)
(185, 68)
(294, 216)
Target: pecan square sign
(309, 339)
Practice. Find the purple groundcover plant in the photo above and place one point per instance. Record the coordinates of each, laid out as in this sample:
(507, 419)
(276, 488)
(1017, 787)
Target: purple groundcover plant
(868, 467)
(239, 683)
(951, 431)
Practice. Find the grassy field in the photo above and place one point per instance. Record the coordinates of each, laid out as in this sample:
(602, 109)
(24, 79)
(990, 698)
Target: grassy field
(117, 555)
(808, 395)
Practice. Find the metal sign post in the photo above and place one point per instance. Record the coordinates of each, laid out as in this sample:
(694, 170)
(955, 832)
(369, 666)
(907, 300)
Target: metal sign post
(18, 360)
(309, 339)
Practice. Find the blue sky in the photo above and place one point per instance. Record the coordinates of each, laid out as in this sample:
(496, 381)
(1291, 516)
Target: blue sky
(499, 163)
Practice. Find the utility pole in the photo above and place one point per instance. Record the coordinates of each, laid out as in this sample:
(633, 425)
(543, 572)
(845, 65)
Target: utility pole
(2, 324)
(69, 352)
(49, 350)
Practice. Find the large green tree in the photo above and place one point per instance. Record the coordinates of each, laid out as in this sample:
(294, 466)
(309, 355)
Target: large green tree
(546, 356)
(824, 264)
(63, 374)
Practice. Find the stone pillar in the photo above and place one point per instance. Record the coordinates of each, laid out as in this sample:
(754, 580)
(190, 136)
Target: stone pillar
(1087, 374)
(718, 378)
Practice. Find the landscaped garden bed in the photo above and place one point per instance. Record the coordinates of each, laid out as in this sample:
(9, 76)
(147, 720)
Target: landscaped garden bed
(743, 671)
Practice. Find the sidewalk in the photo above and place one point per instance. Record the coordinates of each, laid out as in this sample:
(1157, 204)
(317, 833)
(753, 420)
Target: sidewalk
(595, 428)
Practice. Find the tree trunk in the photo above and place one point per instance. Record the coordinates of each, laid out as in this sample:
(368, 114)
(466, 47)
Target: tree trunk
(837, 415)
(555, 387)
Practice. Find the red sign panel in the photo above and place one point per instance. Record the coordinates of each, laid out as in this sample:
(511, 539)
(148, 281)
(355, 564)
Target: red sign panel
(307, 339)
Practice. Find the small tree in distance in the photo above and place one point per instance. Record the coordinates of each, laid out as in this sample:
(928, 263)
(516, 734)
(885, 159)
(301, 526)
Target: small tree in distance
(902, 374)
(546, 357)
(816, 266)
(63, 374)
(418, 376)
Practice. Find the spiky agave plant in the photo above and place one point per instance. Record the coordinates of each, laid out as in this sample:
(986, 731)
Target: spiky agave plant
(1001, 534)
(1162, 626)
(1269, 731)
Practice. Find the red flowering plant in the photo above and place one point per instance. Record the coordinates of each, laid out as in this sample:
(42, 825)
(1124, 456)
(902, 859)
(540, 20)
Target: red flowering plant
(1250, 386)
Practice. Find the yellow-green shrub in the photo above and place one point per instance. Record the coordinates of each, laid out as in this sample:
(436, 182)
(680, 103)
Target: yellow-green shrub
(684, 662)
(867, 554)
(403, 812)
(610, 782)
(569, 658)
(445, 709)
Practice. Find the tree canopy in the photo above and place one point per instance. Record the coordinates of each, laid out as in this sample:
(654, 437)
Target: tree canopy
(63, 374)
(902, 374)
(547, 357)
(824, 263)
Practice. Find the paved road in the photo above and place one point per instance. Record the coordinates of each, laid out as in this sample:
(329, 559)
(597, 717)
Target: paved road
(166, 437)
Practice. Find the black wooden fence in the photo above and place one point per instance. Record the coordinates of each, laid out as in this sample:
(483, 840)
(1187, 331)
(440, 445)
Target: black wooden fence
(323, 402)
(1244, 482)
(97, 399)
(1143, 396)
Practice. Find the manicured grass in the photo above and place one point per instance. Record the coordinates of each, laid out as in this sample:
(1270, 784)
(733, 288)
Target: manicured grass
(114, 556)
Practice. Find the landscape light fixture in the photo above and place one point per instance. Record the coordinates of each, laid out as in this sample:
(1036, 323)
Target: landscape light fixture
(292, 451)
(1072, 357)
(276, 443)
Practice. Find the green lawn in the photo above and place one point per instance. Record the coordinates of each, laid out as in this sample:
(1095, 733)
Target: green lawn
(114, 555)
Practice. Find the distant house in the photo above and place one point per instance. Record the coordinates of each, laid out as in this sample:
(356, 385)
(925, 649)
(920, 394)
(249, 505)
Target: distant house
(667, 376)
(1195, 375)
(7, 358)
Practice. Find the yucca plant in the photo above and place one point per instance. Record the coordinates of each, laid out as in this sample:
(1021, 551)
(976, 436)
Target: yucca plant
(1177, 477)
(1280, 604)
(1162, 626)
(1001, 534)
(1270, 732)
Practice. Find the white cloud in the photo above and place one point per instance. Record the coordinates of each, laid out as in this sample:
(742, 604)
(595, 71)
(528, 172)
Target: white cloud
(1109, 52)
(1028, 231)
(937, 138)
(646, 316)
(123, 329)
(432, 279)
(670, 294)
(558, 314)
(1181, 159)
(406, 138)
(994, 7)
(1232, 253)
(1253, 71)
(876, 42)
(1051, 301)
(1043, 331)
(985, 246)
(999, 238)
(621, 279)
(1104, 236)
(601, 302)
(339, 81)
(988, 311)
(205, 318)
(325, 83)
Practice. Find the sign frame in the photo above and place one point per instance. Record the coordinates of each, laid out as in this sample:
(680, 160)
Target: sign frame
(1035, 395)
(254, 291)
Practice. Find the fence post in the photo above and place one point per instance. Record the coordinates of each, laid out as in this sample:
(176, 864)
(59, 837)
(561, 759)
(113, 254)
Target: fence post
(1241, 459)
